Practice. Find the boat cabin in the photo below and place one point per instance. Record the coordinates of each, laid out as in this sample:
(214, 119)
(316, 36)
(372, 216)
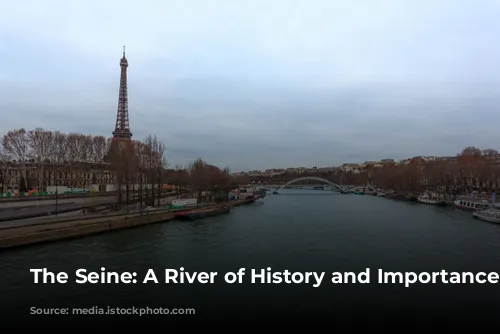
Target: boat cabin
(471, 205)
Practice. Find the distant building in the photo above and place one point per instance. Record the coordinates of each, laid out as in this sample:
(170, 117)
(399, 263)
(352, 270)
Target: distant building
(449, 158)
(274, 171)
(254, 173)
(326, 169)
(355, 168)
(17, 177)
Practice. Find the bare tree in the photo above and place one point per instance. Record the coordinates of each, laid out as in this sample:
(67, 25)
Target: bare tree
(198, 177)
(141, 152)
(142, 165)
(16, 146)
(41, 142)
(124, 164)
(4, 170)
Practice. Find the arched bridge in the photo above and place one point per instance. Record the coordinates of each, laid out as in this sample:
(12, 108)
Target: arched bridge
(312, 178)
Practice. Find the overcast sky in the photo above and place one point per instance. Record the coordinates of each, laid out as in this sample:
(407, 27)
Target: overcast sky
(260, 84)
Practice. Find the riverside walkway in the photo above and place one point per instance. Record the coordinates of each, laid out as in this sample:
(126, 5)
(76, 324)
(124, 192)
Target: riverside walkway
(32, 231)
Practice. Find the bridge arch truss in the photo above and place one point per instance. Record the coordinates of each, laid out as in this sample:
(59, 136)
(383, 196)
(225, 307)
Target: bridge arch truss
(312, 178)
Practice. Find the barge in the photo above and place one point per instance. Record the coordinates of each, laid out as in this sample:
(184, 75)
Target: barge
(202, 213)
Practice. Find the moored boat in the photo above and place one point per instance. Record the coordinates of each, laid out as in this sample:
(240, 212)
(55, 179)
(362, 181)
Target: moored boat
(431, 201)
(202, 213)
(471, 205)
(491, 215)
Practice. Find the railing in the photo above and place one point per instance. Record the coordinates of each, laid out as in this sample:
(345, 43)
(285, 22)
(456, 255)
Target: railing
(54, 210)
(69, 196)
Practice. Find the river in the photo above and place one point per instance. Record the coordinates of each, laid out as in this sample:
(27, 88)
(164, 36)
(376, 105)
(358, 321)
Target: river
(298, 230)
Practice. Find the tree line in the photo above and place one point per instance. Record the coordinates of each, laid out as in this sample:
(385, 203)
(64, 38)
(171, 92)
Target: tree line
(138, 166)
(471, 169)
(141, 167)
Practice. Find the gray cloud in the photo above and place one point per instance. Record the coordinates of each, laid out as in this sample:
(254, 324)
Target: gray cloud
(259, 84)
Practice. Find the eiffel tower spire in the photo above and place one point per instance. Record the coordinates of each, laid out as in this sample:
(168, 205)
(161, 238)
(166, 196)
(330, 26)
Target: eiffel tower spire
(122, 128)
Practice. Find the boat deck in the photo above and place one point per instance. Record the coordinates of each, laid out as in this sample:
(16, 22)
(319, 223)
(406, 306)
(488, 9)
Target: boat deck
(202, 213)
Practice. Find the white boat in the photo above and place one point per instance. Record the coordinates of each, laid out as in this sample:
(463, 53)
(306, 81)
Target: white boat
(472, 205)
(491, 215)
(430, 201)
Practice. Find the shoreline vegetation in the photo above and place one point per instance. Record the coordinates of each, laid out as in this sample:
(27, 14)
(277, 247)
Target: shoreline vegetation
(139, 168)
(472, 169)
(44, 158)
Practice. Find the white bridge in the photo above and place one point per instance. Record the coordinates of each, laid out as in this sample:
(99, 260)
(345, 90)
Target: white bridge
(313, 178)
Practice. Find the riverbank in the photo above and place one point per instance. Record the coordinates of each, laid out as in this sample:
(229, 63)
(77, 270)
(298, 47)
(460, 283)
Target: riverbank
(59, 229)
(296, 230)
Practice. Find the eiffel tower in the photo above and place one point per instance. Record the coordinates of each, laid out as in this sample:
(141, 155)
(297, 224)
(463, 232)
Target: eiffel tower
(122, 128)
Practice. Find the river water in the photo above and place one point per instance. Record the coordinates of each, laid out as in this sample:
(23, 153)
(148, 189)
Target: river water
(298, 230)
